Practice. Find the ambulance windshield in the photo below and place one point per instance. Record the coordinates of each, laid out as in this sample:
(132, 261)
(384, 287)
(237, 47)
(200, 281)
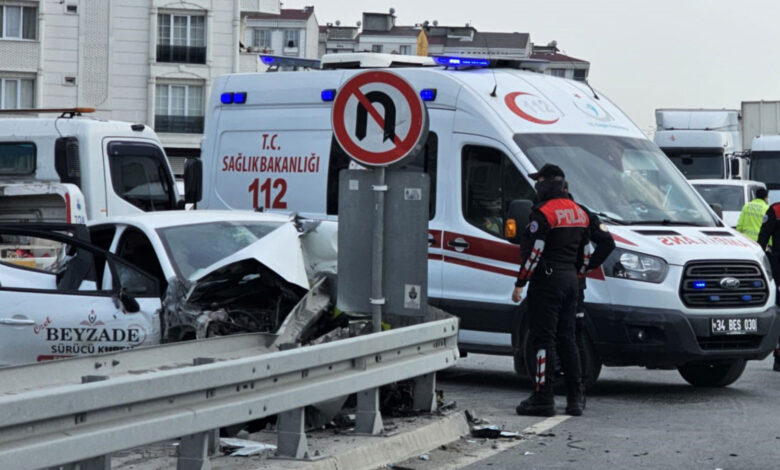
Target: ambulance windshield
(625, 180)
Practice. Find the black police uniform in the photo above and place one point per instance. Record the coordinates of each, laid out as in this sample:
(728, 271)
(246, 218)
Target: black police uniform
(552, 252)
(770, 229)
(599, 236)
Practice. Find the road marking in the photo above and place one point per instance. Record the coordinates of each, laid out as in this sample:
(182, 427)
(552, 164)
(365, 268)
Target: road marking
(497, 446)
(545, 425)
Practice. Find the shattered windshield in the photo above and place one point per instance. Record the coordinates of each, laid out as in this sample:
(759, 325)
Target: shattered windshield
(626, 180)
(198, 246)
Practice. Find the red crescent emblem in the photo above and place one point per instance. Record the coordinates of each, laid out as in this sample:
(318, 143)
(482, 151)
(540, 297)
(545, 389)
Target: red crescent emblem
(512, 105)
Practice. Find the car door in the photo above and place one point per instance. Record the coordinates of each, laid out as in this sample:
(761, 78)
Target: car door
(480, 266)
(63, 308)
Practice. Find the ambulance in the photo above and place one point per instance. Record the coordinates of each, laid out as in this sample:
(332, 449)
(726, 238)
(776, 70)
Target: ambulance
(682, 290)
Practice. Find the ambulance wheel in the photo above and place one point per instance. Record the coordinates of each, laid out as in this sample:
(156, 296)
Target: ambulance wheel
(712, 374)
(591, 368)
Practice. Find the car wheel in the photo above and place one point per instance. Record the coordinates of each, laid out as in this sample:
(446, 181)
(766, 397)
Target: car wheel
(712, 374)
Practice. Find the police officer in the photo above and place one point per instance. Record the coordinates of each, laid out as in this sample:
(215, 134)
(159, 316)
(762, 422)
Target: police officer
(599, 236)
(770, 231)
(552, 252)
(750, 218)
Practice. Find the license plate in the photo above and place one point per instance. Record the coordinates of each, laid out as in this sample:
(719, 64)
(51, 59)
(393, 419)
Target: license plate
(734, 326)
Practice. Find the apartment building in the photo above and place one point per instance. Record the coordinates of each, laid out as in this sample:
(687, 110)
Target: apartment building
(561, 65)
(148, 61)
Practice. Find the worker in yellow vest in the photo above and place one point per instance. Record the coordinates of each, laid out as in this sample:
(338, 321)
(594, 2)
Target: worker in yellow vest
(752, 215)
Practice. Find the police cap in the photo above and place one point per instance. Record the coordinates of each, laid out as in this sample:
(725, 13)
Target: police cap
(548, 171)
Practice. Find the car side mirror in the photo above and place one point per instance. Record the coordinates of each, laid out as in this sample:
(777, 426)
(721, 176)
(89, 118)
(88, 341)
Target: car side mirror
(193, 180)
(735, 168)
(517, 218)
(718, 209)
(66, 160)
(129, 304)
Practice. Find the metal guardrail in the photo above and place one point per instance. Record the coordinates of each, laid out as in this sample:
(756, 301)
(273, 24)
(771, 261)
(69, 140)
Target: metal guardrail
(173, 391)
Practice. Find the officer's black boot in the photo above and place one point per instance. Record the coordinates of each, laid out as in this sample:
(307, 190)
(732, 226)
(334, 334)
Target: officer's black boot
(575, 399)
(776, 367)
(540, 403)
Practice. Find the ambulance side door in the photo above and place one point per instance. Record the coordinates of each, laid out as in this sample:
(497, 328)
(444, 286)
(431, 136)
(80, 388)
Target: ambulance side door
(480, 266)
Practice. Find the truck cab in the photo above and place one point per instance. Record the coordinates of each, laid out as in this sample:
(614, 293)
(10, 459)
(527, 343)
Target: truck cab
(765, 164)
(110, 167)
(701, 143)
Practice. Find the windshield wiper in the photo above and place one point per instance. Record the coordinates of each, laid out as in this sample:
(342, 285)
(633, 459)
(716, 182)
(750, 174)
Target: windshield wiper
(605, 216)
(665, 222)
(609, 218)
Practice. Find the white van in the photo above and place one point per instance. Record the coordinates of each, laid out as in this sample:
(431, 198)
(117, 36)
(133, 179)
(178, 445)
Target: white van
(730, 195)
(119, 168)
(681, 290)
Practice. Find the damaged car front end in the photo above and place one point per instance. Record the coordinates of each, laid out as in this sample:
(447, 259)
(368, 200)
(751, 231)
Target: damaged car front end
(252, 289)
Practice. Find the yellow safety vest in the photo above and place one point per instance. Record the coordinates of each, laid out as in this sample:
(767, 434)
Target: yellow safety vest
(751, 218)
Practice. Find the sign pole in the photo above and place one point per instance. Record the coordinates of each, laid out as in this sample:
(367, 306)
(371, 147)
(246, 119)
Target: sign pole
(377, 252)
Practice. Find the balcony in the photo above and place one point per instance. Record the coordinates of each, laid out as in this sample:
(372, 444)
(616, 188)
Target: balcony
(181, 54)
(178, 124)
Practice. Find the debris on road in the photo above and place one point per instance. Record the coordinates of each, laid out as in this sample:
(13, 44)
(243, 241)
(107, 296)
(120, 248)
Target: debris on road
(244, 447)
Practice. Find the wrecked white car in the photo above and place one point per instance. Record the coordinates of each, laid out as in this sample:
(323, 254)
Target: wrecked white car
(149, 278)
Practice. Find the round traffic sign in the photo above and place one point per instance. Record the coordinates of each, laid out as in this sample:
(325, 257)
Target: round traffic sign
(378, 118)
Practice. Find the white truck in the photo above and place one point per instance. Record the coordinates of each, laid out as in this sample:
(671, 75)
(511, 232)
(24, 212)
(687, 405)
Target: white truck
(761, 135)
(680, 291)
(702, 143)
(75, 168)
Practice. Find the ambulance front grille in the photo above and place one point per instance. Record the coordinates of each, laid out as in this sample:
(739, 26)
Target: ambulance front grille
(711, 285)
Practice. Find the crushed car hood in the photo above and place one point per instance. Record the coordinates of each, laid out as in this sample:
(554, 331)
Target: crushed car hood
(280, 251)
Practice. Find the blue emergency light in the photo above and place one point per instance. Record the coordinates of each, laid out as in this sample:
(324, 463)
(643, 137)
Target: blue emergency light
(429, 94)
(230, 98)
(267, 60)
(747, 298)
(328, 95)
(699, 284)
(461, 61)
(714, 298)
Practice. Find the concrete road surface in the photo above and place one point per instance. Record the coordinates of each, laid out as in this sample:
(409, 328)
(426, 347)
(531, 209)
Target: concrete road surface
(635, 418)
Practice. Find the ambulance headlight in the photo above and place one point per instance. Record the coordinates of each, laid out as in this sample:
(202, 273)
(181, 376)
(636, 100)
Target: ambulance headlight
(636, 266)
(767, 266)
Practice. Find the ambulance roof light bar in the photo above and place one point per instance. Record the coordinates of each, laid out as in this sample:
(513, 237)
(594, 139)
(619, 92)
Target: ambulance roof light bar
(274, 62)
(373, 60)
(65, 112)
(534, 65)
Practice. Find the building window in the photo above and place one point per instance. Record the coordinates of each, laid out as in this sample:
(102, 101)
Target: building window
(581, 75)
(376, 48)
(558, 73)
(181, 38)
(179, 108)
(291, 38)
(405, 50)
(17, 22)
(261, 38)
(16, 93)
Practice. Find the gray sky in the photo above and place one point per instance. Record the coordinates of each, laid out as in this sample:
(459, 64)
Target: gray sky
(644, 54)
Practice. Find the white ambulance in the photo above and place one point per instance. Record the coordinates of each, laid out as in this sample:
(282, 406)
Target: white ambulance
(680, 291)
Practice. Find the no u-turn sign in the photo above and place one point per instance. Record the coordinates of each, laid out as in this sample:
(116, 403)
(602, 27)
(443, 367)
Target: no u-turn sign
(379, 119)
